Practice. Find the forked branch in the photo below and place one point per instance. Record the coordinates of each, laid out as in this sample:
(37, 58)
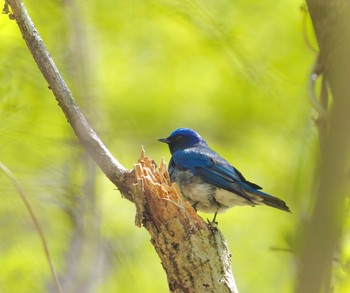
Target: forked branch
(194, 254)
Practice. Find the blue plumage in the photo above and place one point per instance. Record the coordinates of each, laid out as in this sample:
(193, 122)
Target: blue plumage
(207, 180)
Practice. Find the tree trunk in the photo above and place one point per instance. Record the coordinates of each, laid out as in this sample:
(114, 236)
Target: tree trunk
(331, 21)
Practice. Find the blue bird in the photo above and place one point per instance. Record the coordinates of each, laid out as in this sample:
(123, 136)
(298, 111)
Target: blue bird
(208, 181)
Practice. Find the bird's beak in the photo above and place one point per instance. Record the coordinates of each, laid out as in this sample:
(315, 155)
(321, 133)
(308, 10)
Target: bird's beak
(165, 140)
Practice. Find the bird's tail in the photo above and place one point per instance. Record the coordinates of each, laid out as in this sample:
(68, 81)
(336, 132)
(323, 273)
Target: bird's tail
(259, 197)
(274, 202)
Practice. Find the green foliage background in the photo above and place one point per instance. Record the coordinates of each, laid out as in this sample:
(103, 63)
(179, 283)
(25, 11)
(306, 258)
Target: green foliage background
(235, 71)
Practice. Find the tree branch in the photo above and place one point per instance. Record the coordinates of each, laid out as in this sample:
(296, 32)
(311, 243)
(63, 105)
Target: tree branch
(194, 254)
(87, 136)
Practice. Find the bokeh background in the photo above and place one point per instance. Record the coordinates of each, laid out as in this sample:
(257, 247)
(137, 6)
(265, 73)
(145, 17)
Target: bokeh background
(235, 71)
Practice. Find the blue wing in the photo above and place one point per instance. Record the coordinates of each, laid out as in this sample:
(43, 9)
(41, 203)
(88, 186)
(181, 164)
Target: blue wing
(213, 169)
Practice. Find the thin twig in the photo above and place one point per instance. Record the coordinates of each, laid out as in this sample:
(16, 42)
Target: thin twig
(29, 207)
(305, 15)
(316, 72)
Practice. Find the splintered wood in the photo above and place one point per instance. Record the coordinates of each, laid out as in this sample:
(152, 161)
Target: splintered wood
(156, 179)
(161, 200)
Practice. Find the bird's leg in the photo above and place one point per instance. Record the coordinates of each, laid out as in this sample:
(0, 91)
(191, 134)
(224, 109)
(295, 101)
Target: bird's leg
(217, 210)
(213, 221)
(195, 205)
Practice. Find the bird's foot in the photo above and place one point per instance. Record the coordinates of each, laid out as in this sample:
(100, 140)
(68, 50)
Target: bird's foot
(213, 222)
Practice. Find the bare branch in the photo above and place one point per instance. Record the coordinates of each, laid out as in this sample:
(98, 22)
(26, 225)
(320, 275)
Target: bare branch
(87, 136)
(194, 254)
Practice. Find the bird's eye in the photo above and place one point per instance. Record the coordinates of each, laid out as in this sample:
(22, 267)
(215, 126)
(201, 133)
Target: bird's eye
(178, 138)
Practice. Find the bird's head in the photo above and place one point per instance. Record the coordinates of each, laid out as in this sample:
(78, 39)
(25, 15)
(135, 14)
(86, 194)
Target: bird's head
(183, 138)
